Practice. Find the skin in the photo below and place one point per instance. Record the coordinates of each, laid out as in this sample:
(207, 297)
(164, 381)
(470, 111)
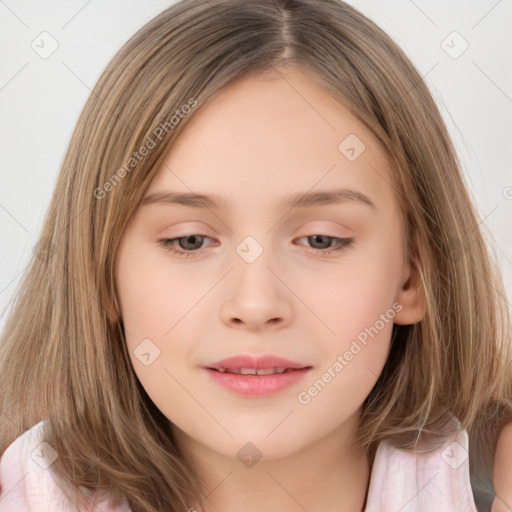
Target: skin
(502, 471)
(259, 141)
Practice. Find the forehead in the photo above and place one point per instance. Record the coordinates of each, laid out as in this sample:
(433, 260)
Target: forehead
(270, 135)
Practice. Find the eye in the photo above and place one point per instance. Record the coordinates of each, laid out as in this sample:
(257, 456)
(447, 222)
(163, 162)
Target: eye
(189, 244)
(340, 243)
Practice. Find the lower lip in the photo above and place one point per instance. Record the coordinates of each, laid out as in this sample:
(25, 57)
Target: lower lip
(257, 385)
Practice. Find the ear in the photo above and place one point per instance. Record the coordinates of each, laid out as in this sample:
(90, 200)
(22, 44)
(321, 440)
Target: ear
(410, 296)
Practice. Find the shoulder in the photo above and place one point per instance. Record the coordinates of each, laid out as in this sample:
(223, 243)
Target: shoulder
(26, 479)
(436, 472)
(502, 471)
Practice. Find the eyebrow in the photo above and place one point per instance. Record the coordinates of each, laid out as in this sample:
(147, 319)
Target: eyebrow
(301, 200)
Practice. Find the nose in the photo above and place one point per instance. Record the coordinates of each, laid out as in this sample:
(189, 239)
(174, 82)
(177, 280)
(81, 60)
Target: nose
(256, 296)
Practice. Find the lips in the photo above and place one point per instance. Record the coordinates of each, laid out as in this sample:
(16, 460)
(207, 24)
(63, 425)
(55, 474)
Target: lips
(256, 376)
(256, 365)
(255, 371)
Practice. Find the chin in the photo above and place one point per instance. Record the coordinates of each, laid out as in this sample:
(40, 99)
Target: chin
(257, 444)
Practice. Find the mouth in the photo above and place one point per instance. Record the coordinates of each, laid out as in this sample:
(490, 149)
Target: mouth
(256, 371)
(253, 382)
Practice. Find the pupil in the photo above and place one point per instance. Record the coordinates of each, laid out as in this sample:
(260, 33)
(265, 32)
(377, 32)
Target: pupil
(320, 237)
(193, 239)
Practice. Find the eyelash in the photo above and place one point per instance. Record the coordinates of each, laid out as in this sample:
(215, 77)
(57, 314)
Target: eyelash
(342, 244)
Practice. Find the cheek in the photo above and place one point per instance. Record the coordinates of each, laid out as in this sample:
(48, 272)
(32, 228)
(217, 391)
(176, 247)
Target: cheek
(360, 313)
(154, 295)
(354, 301)
(154, 302)
(157, 306)
(351, 295)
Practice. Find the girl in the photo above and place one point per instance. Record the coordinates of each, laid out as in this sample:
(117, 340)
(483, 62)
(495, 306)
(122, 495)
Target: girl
(184, 340)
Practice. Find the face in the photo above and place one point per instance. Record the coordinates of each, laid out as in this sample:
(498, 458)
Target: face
(318, 283)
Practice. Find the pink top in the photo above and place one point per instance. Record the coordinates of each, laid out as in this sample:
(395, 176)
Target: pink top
(410, 482)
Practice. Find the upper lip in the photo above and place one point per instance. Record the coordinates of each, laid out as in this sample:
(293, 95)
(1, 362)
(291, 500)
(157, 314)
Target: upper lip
(258, 362)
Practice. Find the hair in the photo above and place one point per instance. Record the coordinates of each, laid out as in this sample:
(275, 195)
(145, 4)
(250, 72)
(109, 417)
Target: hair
(63, 342)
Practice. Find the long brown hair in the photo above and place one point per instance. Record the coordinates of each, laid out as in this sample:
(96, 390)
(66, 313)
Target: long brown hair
(62, 352)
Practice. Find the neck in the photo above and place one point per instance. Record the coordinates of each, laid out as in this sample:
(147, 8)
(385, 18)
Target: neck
(329, 474)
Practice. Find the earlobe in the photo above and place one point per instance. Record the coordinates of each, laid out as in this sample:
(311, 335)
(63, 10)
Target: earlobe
(411, 297)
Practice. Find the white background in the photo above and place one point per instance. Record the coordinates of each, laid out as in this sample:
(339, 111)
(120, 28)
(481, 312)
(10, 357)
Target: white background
(40, 100)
